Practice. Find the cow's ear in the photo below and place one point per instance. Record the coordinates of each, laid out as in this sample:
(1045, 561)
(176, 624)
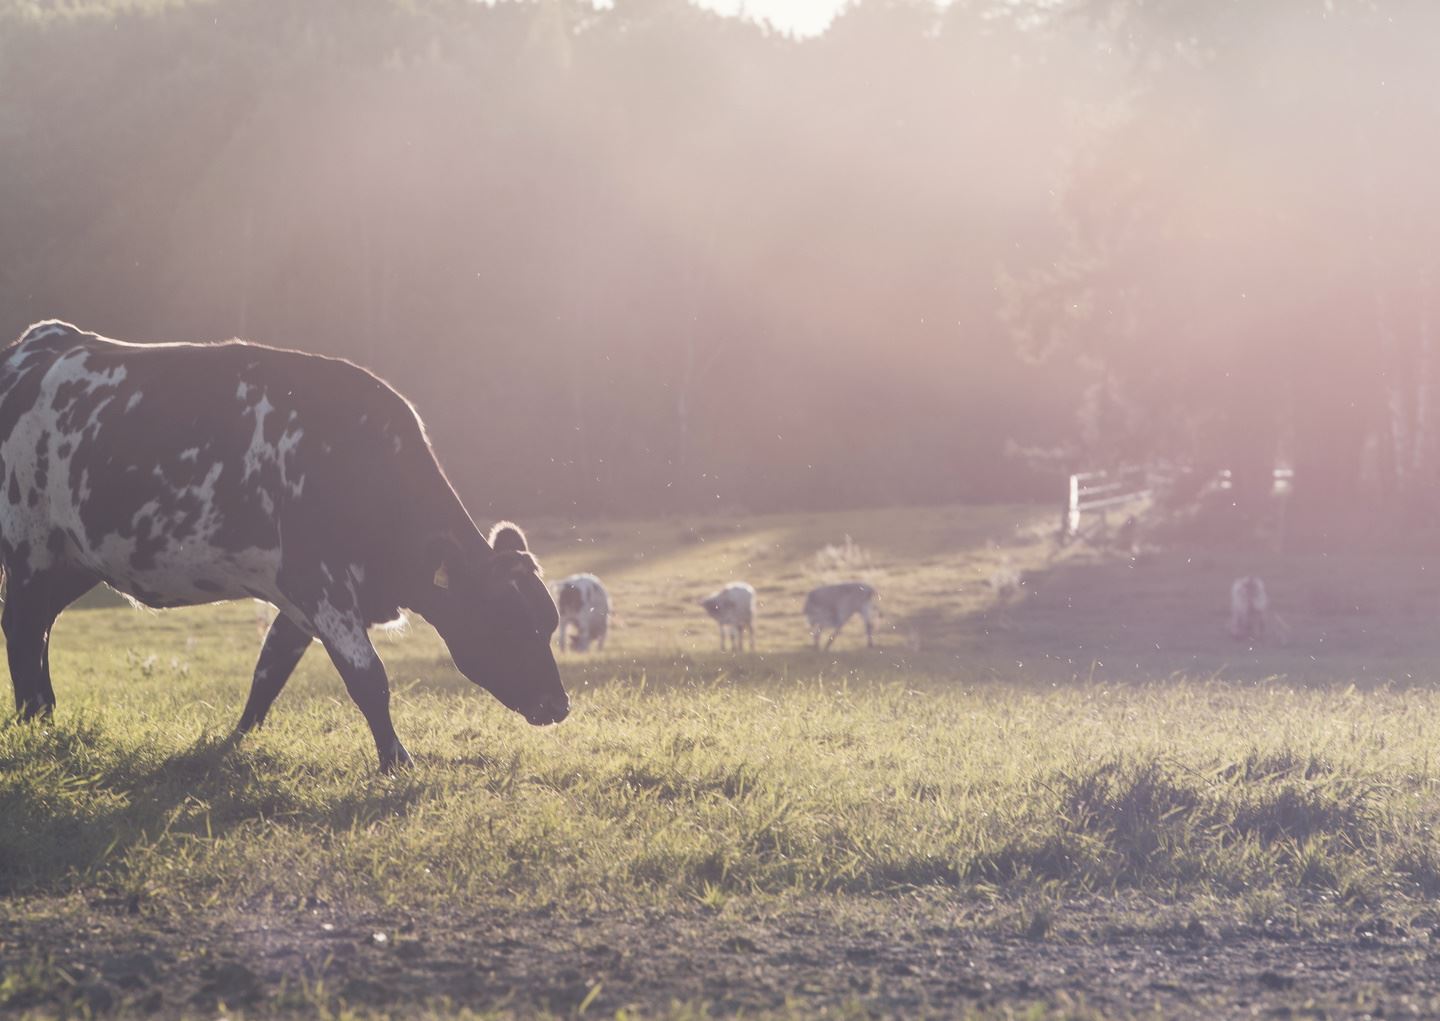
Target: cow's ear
(506, 536)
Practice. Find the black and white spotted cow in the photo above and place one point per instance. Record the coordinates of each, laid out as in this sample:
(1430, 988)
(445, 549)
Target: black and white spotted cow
(190, 473)
(584, 612)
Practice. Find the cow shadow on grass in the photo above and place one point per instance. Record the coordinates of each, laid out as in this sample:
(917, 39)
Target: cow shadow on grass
(76, 807)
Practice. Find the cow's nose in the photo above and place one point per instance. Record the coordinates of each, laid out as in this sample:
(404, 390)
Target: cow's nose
(550, 711)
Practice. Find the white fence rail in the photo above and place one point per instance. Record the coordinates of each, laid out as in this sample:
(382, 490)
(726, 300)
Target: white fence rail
(1098, 490)
(1095, 491)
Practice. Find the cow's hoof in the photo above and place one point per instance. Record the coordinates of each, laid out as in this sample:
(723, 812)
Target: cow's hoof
(398, 758)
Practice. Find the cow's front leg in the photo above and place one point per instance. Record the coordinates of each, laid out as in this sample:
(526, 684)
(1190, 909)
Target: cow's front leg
(370, 688)
(343, 633)
(285, 643)
(328, 600)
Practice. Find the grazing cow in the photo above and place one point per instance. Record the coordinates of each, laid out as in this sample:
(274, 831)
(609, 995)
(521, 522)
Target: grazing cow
(1249, 608)
(585, 606)
(830, 606)
(190, 473)
(733, 608)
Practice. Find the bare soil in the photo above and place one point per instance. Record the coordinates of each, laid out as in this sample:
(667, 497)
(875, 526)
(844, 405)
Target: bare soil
(880, 957)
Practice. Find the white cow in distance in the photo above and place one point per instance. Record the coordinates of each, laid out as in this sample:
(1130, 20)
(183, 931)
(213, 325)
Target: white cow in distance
(1249, 608)
(733, 608)
(584, 609)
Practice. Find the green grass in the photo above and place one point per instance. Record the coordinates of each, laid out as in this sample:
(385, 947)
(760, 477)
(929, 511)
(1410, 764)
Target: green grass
(732, 782)
(939, 769)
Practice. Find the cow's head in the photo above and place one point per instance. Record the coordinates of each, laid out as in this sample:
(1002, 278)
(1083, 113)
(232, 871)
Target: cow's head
(570, 600)
(496, 617)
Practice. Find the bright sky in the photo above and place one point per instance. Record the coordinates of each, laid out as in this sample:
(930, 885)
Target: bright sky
(793, 17)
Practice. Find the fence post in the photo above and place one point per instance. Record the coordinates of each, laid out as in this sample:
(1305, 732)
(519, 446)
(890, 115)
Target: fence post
(1072, 509)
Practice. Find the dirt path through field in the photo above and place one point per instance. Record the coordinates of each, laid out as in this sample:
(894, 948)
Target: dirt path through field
(887, 959)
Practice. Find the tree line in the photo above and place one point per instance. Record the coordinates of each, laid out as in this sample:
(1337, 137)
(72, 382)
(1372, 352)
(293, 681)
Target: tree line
(648, 258)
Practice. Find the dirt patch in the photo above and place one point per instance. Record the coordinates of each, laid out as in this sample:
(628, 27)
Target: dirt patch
(888, 959)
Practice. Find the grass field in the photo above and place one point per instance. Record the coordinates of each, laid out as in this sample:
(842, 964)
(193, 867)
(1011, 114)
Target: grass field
(1056, 789)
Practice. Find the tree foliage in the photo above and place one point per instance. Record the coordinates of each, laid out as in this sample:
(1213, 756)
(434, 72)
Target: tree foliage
(635, 258)
(1249, 252)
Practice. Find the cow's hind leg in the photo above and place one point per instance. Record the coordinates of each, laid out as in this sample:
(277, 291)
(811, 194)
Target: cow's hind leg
(285, 643)
(32, 602)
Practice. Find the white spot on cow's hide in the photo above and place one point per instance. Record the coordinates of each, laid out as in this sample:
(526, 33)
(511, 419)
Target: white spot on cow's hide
(398, 444)
(134, 400)
(71, 367)
(259, 451)
(190, 454)
(285, 451)
(242, 391)
(92, 425)
(345, 634)
(49, 330)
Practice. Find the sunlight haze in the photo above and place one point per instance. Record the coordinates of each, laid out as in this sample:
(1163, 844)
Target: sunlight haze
(792, 17)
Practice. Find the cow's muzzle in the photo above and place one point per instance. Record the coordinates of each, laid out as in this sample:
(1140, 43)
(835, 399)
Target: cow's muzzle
(549, 712)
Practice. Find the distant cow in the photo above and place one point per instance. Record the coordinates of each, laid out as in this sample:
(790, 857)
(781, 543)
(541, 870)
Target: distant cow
(1249, 608)
(190, 473)
(733, 608)
(585, 607)
(830, 606)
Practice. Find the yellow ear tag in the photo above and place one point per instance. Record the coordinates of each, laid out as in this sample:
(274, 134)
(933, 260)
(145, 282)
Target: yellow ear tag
(442, 577)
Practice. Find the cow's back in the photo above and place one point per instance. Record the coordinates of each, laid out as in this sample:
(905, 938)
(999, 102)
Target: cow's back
(733, 605)
(834, 604)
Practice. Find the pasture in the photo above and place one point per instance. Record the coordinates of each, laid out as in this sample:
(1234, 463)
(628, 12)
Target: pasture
(1055, 789)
